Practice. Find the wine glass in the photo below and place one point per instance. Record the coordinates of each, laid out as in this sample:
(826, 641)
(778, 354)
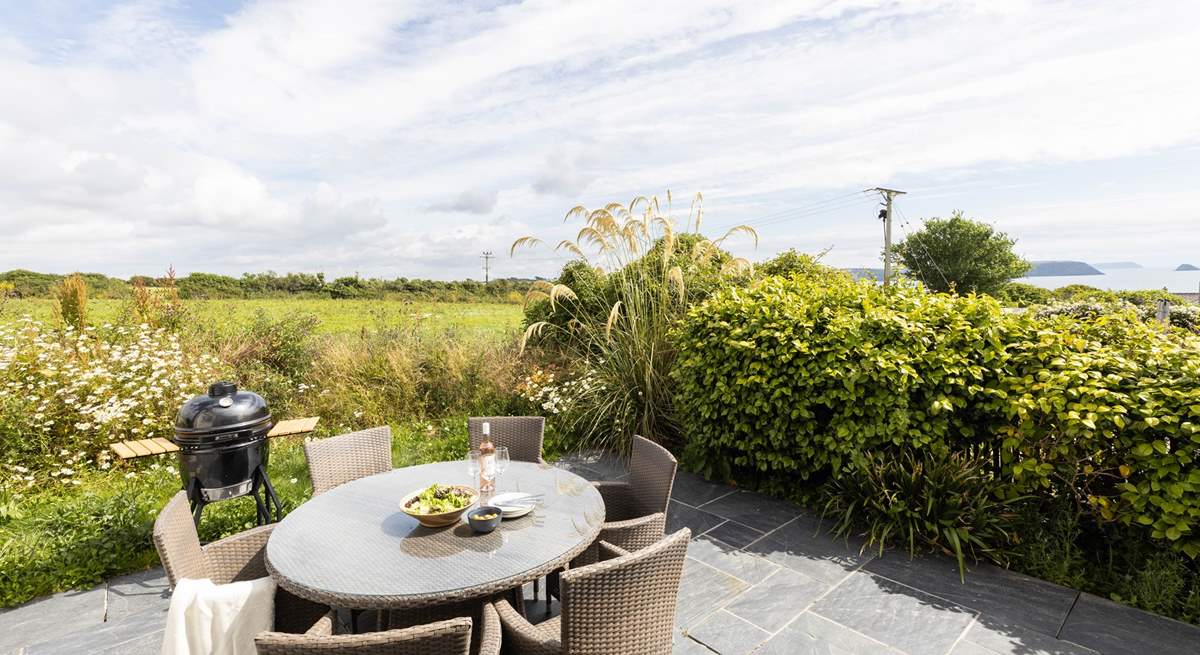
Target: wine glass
(473, 466)
(502, 461)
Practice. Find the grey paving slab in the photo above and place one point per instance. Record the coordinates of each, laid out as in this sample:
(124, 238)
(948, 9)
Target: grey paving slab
(1003, 596)
(910, 620)
(50, 617)
(109, 636)
(736, 534)
(774, 602)
(990, 638)
(695, 491)
(138, 592)
(728, 634)
(802, 545)
(685, 516)
(753, 509)
(687, 646)
(810, 634)
(147, 645)
(738, 563)
(1116, 629)
(702, 590)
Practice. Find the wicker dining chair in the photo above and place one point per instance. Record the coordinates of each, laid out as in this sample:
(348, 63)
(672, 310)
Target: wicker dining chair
(522, 435)
(451, 637)
(635, 511)
(232, 559)
(485, 622)
(338, 460)
(622, 604)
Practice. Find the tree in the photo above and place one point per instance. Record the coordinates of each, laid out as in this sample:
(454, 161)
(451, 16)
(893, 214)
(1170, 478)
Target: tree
(960, 254)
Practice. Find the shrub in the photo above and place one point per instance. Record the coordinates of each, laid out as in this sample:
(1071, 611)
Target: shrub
(923, 501)
(1078, 292)
(1148, 298)
(794, 379)
(72, 301)
(271, 357)
(798, 376)
(1019, 294)
(157, 306)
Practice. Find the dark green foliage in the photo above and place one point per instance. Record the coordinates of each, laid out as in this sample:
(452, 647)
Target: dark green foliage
(77, 539)
(1019, 294)
(27, 284)
(207, 285)
(1110, 560)
(960, 254)
(792, 380)
(921, 501)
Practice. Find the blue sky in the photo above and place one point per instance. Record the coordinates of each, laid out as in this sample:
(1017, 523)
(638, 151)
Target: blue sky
(401, 139)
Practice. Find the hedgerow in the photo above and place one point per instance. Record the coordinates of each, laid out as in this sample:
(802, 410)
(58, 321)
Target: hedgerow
(797, 379)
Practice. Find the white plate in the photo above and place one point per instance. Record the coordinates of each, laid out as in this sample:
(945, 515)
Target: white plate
(512, 505)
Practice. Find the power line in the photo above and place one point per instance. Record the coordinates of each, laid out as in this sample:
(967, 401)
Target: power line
(906, 225)
(838, 203)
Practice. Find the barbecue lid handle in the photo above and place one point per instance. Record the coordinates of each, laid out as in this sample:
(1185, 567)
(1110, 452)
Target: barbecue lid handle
(223, 388)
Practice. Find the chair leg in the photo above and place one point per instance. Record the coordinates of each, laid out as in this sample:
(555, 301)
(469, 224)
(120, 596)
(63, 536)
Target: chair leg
(536, 583)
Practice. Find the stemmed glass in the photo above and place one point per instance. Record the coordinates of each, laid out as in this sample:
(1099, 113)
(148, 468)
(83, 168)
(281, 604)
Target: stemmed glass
(502, 462)
(473, 467)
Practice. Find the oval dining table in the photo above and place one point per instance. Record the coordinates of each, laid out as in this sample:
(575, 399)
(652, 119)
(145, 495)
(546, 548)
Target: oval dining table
(352, 547)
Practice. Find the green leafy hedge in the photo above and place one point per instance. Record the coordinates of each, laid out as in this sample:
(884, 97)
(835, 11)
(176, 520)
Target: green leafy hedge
(796, 378)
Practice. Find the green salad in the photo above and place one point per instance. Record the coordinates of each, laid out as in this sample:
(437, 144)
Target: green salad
(439, 498)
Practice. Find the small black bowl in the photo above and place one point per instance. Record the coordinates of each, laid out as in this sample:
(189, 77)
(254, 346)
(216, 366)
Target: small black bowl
(484, 526)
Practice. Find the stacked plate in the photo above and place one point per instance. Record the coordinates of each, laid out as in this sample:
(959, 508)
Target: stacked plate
(513, 504)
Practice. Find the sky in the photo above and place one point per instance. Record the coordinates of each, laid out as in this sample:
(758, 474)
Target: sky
(402, 139)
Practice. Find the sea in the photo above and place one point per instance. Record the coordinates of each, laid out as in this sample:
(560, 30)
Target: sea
(1126, 279)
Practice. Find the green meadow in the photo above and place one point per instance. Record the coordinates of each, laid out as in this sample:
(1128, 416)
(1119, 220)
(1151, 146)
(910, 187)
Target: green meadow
(336, 316)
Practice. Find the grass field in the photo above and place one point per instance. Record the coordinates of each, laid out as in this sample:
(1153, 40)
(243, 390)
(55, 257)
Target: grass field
(336, 315)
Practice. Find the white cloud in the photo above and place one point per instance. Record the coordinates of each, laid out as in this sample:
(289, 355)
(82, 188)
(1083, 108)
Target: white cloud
(471, 201)
(378, 136)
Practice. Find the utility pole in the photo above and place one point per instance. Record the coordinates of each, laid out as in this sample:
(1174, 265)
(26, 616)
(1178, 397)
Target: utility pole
(886, 215)
(487, 265)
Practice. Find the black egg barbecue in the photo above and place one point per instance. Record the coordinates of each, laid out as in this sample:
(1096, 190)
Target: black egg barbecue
(223, 450)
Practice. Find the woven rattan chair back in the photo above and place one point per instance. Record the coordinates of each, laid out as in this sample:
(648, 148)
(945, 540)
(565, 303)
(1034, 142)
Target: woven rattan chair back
(522, 435)
(651, 475)
(338, 460)
(627, 604)
(452, 637)
(177, 542)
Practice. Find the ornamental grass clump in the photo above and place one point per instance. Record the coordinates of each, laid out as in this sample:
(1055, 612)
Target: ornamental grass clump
(635, 274)
(919, 501)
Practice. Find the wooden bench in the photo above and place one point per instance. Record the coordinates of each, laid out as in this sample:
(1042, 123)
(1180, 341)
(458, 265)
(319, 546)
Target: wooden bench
(159, 446)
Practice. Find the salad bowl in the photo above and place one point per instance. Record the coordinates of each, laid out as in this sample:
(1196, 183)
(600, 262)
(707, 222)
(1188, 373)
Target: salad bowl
(439, 505)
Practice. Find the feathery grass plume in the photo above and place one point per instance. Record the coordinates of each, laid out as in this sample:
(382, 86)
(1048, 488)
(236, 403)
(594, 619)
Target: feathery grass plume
(72, 301)
(618, 331)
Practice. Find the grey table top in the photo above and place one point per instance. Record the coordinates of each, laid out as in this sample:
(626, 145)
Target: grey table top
(352, 546)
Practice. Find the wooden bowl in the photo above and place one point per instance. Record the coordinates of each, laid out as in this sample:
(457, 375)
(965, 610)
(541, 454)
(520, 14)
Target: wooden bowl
(442, 519)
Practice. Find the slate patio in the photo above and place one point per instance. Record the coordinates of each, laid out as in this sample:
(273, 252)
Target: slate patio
(761, 577)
